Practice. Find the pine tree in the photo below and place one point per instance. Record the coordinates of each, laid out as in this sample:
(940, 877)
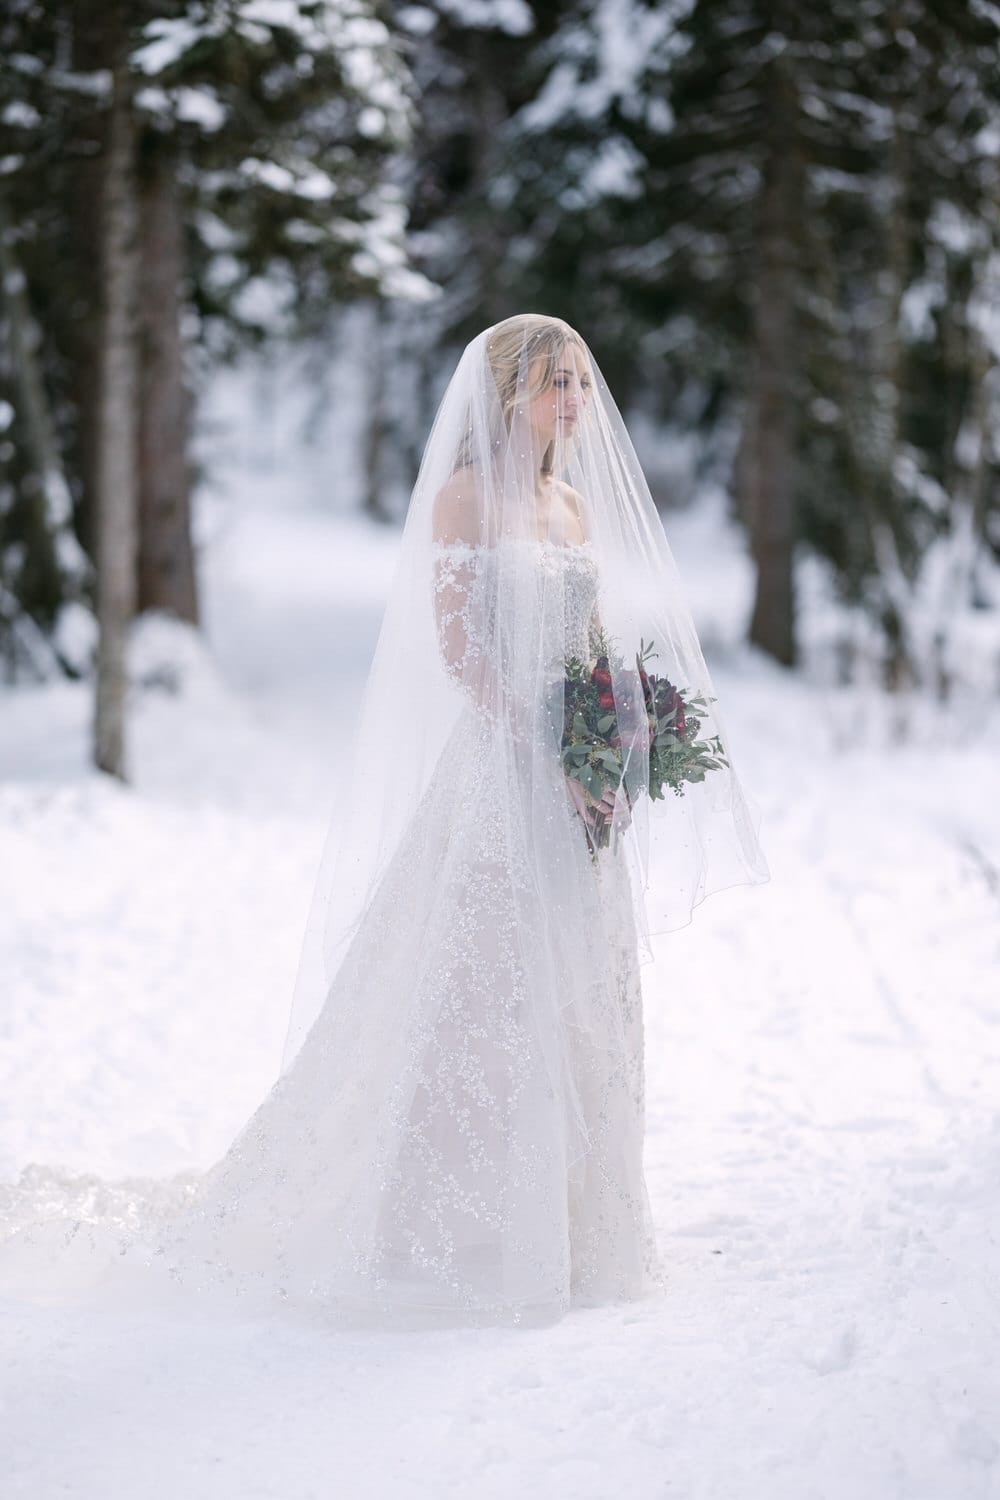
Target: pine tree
(42, 565)
(927, 469)
(756, 251)
(265, 140)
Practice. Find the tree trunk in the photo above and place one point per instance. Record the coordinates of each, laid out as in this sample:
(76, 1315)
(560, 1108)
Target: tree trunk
(377, 422)
(885, 502)
(769, 450)
(59, 561)
(166, 554)
(89, 54)
(117, 426)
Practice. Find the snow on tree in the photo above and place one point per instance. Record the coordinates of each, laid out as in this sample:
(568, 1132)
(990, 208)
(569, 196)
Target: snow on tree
(265, 137)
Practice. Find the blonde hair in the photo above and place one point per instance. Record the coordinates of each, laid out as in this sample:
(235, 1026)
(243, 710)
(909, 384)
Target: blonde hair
(513, 346)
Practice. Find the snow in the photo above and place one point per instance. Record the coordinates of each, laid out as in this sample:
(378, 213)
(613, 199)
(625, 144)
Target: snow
(200, 106)
(823, 1059)
(167, 42)
(919, 302)
(310, 184)
(20, 115)
(511, 16)
(614, 171)
(371, 123)
(381, 254)
(194, 106)
(959, 232)
(603, 62)
(75, 636)
(418, 20)
(360, 40)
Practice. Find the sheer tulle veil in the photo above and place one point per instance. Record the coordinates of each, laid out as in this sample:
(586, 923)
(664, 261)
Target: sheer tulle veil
(458, 1125)
(528, 449)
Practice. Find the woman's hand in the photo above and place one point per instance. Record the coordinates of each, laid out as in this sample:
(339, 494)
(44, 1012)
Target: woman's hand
(612, 807)
(582, 801)
(615, 808)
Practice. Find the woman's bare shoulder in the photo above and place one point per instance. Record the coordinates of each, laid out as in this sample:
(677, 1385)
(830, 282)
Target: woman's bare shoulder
(457, 515)
(578, 508)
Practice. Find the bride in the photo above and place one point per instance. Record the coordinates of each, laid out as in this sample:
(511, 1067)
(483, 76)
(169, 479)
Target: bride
(540, 783)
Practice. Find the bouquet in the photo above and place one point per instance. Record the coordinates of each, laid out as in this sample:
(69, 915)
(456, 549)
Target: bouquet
(612, 744)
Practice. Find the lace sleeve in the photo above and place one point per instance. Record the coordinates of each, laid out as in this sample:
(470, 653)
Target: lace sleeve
(458, 613)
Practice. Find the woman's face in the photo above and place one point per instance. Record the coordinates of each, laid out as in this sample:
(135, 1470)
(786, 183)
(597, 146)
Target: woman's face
(556, 411)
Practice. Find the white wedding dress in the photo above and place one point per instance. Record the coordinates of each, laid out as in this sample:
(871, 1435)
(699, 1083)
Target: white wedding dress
(450, 1140)
(460, 1135)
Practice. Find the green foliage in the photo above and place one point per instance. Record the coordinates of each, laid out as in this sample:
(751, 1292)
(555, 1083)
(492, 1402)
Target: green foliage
(648, 742)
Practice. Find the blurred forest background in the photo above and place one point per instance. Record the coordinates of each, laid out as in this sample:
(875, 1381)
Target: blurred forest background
(776, 225)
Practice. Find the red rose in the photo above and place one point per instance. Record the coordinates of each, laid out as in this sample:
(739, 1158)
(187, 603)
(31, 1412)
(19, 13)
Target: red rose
(677, 704)
(602, 678)
(669, 701)
(606, 700)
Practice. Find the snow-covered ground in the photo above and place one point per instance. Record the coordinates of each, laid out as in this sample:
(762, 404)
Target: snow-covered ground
(823, 1077)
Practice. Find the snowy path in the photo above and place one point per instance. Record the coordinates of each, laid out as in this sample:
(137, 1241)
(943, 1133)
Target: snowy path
(824, 1105)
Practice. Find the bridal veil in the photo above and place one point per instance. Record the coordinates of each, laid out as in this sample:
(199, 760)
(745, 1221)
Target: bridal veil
(458, 1126)
(528, 448)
